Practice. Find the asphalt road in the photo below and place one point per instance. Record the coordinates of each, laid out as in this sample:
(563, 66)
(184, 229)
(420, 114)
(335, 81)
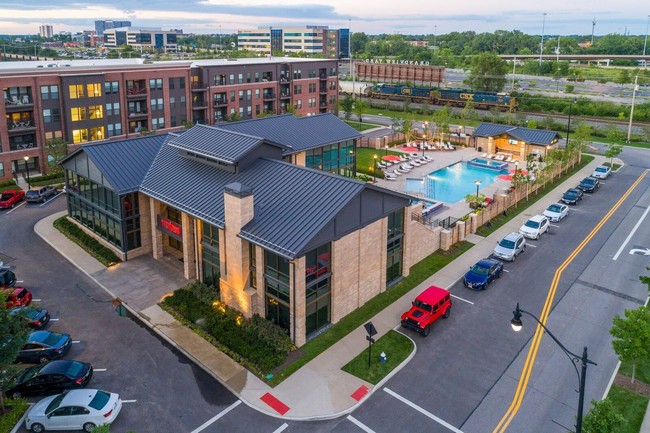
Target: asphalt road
(464, 374)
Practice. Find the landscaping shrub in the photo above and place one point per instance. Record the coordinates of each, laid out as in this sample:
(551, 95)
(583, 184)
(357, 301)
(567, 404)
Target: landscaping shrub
(7, 183)
(91, 245)
(256, 342)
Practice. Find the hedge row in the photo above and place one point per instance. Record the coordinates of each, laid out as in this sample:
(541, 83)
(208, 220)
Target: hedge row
(85, 241)
(8, 183)
(255, 343)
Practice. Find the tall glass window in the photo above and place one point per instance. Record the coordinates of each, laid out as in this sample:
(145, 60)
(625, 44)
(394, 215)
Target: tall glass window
(395, 246)
(318, 289)
(338, 158)
(276, 287)
(174, 215)
(210, 254)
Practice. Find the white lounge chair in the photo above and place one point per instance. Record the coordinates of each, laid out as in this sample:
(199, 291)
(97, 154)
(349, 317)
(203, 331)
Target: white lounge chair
(389, 176)
(510, 159)
(484, 155)
(415, 162)
(491, 156)
(500, 157)
(426, 158)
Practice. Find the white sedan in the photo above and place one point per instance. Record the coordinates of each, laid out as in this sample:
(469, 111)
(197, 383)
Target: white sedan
(77, 409)
(556, 212)
(601, 172)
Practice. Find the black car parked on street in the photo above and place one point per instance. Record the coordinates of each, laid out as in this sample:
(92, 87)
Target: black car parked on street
(51, 378)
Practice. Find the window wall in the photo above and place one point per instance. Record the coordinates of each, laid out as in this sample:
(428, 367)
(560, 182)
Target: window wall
(318, 288)
(276, 287)
(395, 247)
(338, 158)
(210, 254)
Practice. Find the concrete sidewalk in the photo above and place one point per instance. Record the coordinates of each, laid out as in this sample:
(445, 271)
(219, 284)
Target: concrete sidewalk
(320, 389)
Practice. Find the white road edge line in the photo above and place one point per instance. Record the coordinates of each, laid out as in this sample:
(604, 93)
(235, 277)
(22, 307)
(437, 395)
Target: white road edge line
(423, 412)
(464, 300)
(16, 207)
(618, 253)
(281, 428)
(129, 401)
(359, 424)
(216, 417)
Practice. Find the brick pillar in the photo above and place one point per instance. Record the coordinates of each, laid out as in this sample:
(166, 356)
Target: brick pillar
(156, 235)
(446, 239)
(461, 230)
(238, 210)
(473, 223)
(189, 245)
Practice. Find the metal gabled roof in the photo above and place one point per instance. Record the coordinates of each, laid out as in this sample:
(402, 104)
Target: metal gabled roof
(297, 134)
(529, 135)
(216, 143)
(124, 163)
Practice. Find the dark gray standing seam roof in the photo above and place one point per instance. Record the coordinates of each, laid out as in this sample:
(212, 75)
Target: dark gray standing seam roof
(125, 163)
(298, 134)
(529, 135)
(292, 203)
(216, 143)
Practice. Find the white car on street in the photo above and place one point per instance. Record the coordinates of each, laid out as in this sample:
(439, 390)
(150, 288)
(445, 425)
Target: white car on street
(77, 409)
(556, 212)
(601, 172)
(535, 227)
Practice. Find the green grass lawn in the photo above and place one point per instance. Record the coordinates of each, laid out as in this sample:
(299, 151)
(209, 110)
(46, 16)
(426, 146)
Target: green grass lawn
(642, 370)
(631, 405)
(366, 160)
(361, 126)
(397, 348)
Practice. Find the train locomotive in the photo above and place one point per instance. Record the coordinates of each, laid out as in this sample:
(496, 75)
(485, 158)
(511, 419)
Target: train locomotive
(434, 95)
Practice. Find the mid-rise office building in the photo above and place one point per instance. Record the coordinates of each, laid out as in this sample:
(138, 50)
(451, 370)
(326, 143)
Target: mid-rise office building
(332, 43)
(141, 38)
(45, 31)
(102, 25)
(93, 100)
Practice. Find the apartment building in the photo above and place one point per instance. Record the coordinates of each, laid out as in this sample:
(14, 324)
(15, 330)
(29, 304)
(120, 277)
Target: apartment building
(332, 43)
(141, 38)
(45, 31)
(93, 100)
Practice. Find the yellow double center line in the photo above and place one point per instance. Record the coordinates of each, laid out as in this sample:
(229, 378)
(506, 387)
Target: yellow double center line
(539, 331)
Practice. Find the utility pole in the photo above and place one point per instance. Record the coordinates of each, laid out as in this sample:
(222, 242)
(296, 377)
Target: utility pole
(557, 65)
(541, 46)
(645, 43)
(593, 25)
(514, 63)
(629, 126)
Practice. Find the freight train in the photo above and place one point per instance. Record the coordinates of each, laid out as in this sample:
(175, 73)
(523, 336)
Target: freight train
(435, 95)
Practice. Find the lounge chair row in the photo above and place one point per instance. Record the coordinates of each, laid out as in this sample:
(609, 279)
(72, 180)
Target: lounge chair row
(406, 167)
(498, 157)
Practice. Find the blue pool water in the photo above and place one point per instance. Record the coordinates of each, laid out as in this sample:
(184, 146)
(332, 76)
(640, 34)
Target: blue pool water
(451, 184)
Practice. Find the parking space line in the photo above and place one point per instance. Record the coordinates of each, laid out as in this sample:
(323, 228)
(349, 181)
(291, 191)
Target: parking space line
(36, 300)
(54, 320)
(528, 244)
(216, 417)
(359, 424)
(461, 299)
(75, 341)
(129, 401)
(554, 225)
(16, 207)
(423, 412)
(281, 428)
(505, 270)
(627, 239)
(20, 281)
(99, 369)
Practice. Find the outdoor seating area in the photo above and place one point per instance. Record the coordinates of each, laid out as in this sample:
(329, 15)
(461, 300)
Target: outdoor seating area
(395, 166)
(499, 157)
(438, 145)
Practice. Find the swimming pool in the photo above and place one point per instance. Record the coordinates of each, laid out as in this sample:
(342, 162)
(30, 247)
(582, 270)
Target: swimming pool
(488, 163)
(451, 184)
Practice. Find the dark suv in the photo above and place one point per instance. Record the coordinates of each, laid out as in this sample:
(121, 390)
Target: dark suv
(40, 193)
(7, 279)
(589, 184)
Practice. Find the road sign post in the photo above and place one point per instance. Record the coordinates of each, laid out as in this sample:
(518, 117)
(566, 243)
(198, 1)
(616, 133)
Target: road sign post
(370, 329)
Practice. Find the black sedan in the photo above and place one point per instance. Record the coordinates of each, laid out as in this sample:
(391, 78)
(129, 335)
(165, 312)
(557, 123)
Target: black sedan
(43, 346)
(482, 273)
(51, 378)
(572, 196)
(589, 184)
(34, 317)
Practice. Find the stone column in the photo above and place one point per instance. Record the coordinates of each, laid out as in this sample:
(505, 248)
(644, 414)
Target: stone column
(189, 251)
(156, 235)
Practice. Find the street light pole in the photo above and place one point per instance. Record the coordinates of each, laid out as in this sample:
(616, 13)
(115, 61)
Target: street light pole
(645, 42)
(584, 359)
(629, 126)
(374, 168)
(26, 158)
(478, 184)
(568, 128)
(541, 46)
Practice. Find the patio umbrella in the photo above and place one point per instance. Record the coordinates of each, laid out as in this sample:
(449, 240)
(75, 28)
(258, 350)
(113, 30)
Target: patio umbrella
(505, 176)
(524, 172)
(392, 158)
(409, 149)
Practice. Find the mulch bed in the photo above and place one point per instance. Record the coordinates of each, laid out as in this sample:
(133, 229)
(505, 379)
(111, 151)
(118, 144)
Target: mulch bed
(639, 387)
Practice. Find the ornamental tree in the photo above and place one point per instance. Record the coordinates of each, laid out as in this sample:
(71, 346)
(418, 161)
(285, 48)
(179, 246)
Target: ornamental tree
(632, 336)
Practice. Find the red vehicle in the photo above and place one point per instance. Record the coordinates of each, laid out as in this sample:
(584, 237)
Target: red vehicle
(18, 297)
(429, 306)
(10, 197)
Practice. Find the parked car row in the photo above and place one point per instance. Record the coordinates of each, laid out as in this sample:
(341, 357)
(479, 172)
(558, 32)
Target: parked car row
(36, 194)
(73, 407)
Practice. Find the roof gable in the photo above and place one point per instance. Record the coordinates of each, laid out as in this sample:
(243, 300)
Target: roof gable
(528, 135)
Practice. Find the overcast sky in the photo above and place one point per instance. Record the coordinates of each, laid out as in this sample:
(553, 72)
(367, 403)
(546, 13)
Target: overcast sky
(564, 17)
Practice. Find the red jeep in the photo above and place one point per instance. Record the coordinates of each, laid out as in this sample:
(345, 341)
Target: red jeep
(428, 307)
(10, 198)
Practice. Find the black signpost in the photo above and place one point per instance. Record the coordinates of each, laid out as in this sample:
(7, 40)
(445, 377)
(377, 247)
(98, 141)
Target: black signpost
(370, 329)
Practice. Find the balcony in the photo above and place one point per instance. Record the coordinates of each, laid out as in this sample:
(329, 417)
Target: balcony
(135, 93)
(25, 142)
(25, 126)
(199, 87)
(285, 80)
(322, 76)
(142, 114)
(220, 102)
(19, 103)
(285, 95)
(322, 90)
(268, 96)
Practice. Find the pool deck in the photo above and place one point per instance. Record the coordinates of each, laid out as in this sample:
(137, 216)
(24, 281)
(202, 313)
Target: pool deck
(442, 159)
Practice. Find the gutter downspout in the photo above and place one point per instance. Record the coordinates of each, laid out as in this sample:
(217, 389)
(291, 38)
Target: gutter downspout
(293, 333)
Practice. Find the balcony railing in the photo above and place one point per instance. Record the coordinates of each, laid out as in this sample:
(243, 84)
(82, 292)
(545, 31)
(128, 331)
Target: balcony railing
(285, 95)
(220, 101)
(21, 146)
(23, 125)
(268, 95)
(138, 114)
(136, 93)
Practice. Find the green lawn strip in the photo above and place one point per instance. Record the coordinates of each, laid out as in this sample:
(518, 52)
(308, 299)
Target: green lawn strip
(514, 211)
(397, 348)
(631, 405)
(362, 126)
(89, 244)
(419, 272)
(642, 372)
(16, 410)
(366, 159)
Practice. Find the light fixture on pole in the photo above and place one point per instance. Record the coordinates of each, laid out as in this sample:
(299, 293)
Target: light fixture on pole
(541, 46)
(374, 167)
(517, 325)
(568, 127)
(26, 158)
(386, 150)
(478, 184)
(645, 43)
(636, 88)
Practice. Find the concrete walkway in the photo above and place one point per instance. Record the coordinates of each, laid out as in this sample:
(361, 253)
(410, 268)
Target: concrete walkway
(320, 389)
